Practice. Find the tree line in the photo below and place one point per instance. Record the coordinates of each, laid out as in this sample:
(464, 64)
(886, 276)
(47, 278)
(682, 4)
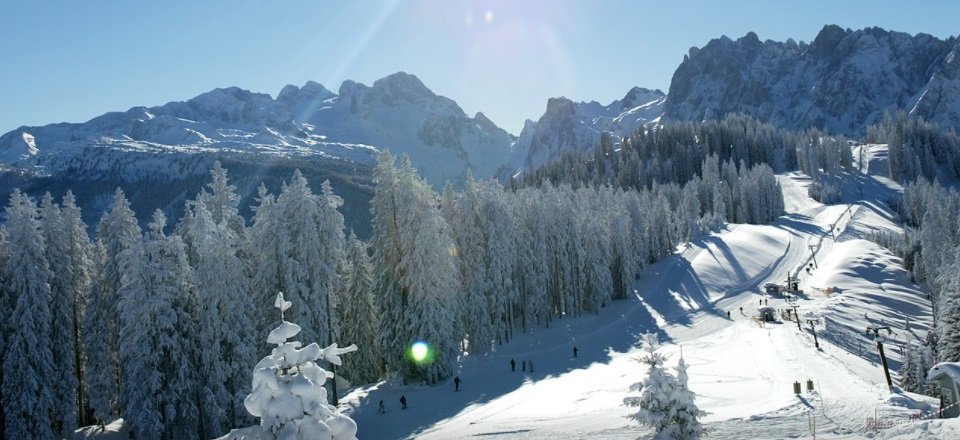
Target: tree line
(678, 153)
(930, 247)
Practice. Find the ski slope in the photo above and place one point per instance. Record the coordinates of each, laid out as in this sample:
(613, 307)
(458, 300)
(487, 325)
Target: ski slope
(742, 372)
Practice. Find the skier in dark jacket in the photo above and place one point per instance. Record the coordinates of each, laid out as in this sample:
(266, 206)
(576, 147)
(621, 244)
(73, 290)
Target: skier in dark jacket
(513, 365)
(403, 402)
(575, 351)
(456, 383)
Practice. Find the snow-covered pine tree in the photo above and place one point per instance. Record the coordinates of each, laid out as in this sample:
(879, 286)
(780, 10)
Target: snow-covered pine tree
(948, 309)
(460, 210)
(532, 271)
(117, 232)
(498, 258)
(288, 394)
(917, 362)
(685, 413)
(158, 337)
(29, 373)
(266, 254)
(219, 252)
(623, 256)
(62, 307)
(416, 257)
(357, 314)
(225, 313)
(308, 230)
(689, 212)
(81, 254)
(655, 402)
(595, 243)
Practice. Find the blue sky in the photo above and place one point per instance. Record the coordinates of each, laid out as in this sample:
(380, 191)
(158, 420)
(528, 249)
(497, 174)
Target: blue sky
(68, 60)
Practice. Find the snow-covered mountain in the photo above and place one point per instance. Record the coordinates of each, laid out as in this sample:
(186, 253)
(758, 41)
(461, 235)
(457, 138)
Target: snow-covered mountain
(397, 113)
(843, 81)
(161, 155)
(568, 125)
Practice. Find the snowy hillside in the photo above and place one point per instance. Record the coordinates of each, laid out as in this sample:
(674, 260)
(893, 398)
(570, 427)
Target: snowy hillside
(842, 81)
(743, 372)
(576, 126)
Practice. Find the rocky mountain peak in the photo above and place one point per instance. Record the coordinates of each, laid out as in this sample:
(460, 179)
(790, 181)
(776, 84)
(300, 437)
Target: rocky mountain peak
(403, 86)
(843, 81)
(638, 96)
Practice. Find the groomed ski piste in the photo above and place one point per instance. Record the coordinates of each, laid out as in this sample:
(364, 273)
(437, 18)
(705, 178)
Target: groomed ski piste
(743, 372)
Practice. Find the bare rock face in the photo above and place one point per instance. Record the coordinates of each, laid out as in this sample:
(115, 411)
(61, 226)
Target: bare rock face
(843, 81)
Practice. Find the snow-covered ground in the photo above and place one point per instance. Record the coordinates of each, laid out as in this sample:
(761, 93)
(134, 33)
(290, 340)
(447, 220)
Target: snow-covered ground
(742, 371)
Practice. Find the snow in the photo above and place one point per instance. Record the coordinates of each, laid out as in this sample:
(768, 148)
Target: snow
(743, 372)
(951, 369)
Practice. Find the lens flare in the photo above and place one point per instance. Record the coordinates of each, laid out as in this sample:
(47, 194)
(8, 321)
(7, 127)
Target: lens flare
(420, 352)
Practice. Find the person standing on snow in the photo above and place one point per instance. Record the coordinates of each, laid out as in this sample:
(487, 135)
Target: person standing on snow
(513, 365)
(403, 402)
(456, 383)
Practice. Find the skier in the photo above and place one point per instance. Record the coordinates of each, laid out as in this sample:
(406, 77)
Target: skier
(456, 383)
(513, 365)
(523, 365)
(382, 409)
(575, 351)
(728, 314)
(531, 366)
(403, 402)
(741, 310)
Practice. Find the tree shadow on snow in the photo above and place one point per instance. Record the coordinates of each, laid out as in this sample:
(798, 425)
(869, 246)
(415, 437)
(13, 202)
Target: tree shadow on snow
(488, 377)
(677, 302)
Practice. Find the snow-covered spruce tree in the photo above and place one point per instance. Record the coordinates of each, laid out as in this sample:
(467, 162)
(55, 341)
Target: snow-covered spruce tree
(623, 256)
(947, 317)
(288, 394)
(460, 210)
(302, 237)
(917, 361)
(266, 254)
(357, 314)
(117, 232)
(29, 372)
(656, 400)
(63, 308)
(225, 314)
(418, 283)
(157, 337)
(595, 244)
(81, 253)
(532, 270)
(684, 412)
(218, 250)
(499, 257)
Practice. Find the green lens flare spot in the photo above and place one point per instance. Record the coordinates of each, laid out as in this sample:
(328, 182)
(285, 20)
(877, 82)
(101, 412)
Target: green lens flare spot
(420, 352)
